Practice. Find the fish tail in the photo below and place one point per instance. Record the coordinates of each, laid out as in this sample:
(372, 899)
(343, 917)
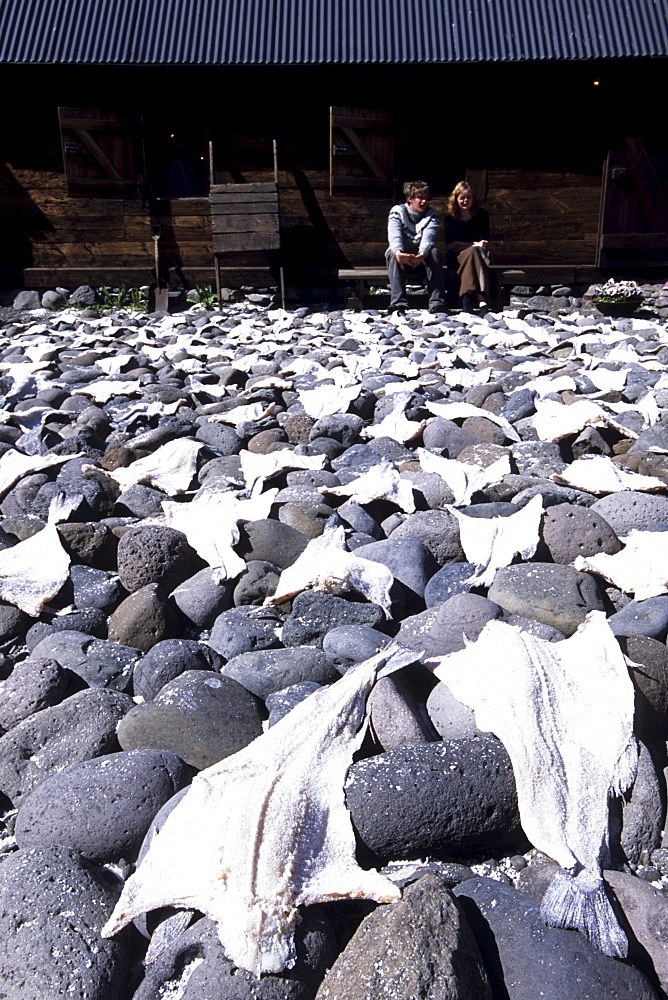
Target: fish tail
(625, 769)
(580, 902)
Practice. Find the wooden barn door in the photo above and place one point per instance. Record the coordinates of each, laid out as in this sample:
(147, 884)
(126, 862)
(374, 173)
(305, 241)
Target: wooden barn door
(633, 226)
(361, 144)
(99, 152)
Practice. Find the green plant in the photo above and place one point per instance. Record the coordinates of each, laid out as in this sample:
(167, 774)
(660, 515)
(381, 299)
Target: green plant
(137, 301)
(207, 296)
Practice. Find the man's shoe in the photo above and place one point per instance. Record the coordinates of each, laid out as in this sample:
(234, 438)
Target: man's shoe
(467, 303)
(398, 309)
(439, 308)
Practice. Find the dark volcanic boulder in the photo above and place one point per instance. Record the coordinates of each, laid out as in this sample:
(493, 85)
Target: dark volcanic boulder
(421, 946)
(200, 715)
(103, 807)
(151, 553)
(53, 904)
(525, 959)
(80, 728)
(434, 799)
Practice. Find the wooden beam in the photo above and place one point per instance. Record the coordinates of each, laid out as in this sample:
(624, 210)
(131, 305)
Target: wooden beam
(98, 153)
(352, 136)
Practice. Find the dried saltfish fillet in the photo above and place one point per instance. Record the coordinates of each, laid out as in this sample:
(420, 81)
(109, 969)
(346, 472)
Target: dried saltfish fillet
(326, 565)
(256, 469)
(243, 414)
(32, 572)
(103, 391)
(455, 411)
(599, 474)
(14, 465)
(396, 424)
(640, 568)
(327, 399)
(564, 712)
(170, 468)
(462, 479)
(381, 482)
(493, 542)
(554, 421)
(267, 830)
(210, 523)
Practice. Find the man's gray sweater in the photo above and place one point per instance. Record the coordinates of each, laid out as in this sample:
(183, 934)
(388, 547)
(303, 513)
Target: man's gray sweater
(408, 232)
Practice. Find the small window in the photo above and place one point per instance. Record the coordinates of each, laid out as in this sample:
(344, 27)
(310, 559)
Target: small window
(100, 152)
(361, 150)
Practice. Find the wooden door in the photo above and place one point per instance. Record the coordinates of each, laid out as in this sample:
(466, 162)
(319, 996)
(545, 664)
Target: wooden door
(99, 152)
(633, 227)
(361, 144)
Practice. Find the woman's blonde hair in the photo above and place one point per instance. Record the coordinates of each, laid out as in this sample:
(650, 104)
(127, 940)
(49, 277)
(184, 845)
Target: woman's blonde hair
(453, 208)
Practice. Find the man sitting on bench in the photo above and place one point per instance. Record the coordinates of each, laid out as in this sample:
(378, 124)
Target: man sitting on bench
(411, 232)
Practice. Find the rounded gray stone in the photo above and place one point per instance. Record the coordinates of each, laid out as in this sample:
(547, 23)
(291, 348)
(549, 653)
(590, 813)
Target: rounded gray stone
(556, 595)
(526, 959)
(349, 644)
(33, 684)
(78, 729)
(421, 946)
(200, 716)
(441, 629)
(53, 904)
(407, 559)
(257, 583)
(453, 578)
(143, 619)
(152, 553)
(314, 614)
(436, 799)
(438, 530)
(194, 966)
(272, 541)
(243, 630)
(451, 719)
(167, 660)
(269, 670)
(569, 531)
(648, 618)
(98, 662)
(103, 807)
(201, 598)
(630, 510)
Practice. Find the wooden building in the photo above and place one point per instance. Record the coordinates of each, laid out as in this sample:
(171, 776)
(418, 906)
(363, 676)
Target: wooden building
(118, 118)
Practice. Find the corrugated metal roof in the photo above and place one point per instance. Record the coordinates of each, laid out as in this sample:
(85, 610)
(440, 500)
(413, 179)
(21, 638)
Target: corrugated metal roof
(289, 32)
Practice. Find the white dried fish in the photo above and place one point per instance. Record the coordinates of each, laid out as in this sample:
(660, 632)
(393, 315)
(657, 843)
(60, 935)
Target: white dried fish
(640, 568)
(326, 565)
(14, 465)
(568, 759)
(256, 469)
(242, 414)
(381, 482)
(463, 479)
(456, 411)
(170, 468)
(267, 830)
(107, 389)
(210, 523)
(396, 424)
(493, 542)
(32, 572)
(328, 399)
(554, 421)
(599, 474)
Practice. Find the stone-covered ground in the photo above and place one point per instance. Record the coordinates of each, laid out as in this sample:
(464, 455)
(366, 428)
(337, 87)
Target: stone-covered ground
(136, 652)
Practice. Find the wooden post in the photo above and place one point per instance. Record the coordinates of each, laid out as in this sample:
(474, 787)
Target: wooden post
(280, 256)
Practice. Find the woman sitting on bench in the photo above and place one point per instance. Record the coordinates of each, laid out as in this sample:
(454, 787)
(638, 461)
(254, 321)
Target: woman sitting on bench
(466, 241)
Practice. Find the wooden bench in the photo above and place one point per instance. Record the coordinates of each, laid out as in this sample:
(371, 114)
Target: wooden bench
(504, 275)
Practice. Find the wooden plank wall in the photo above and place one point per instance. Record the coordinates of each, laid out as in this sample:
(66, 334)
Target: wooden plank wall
(538, 218)
(543, 217)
